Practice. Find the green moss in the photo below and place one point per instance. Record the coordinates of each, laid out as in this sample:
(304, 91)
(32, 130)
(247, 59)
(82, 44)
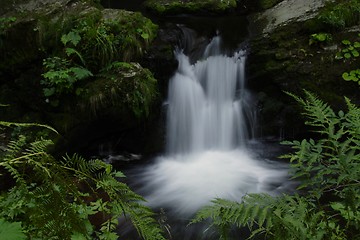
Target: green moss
(122, 85)
(336, 16)
(36, 32)
(181, 6)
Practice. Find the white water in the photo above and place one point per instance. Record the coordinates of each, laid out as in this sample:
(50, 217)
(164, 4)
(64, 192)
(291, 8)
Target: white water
(209, 123)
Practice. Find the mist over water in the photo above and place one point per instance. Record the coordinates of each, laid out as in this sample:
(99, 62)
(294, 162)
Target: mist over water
(210, 121)
(185, 183)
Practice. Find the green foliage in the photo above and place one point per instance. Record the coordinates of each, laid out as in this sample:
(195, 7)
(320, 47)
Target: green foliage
(91, 47)
(284, 217)
(176, 6)
(11, 230)
(72, 37)
(125, 85)
(5, 23)
(10, 124)
(349, 51)
(53, 199)
(60, 76)
(328, 171)
(318, 38)
(340, 14)
(123, 37)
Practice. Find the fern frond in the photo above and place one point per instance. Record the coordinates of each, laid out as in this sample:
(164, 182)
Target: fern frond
(143, 220)
(9, 124)
(353, 119)
(246, 213)
(319, 113)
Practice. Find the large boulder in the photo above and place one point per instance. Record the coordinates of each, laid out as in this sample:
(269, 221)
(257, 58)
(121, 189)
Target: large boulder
(292, 50)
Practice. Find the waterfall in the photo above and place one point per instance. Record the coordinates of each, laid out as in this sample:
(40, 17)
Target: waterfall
(210, 119)
(206, 103)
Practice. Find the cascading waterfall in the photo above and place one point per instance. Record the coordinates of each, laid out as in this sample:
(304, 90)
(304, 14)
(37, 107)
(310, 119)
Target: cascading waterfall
(207, 100)
(209, 123)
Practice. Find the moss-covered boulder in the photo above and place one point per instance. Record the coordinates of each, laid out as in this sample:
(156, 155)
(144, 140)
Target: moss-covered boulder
(30, 29)
(167, 7)
(120, 101)
(126, 86)
(71, 65)
(290, 56)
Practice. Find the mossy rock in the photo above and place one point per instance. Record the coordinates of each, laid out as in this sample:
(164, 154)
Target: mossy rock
(31, 28)
(127, 87)
(32, 31)
(166, 7)
(285, 61)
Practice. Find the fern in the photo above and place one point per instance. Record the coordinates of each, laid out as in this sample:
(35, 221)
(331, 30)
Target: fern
(285, 216)
(328, 169)
(319, 114)
(10, 124)
(56, 199)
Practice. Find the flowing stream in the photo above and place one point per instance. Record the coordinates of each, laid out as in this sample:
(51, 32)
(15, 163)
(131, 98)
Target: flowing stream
(210, 139)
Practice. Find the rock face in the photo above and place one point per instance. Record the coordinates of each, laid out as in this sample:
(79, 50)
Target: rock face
(285, 12)
(283, 58)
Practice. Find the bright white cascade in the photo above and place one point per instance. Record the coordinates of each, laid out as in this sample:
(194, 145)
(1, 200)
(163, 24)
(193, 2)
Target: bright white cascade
(209, 122)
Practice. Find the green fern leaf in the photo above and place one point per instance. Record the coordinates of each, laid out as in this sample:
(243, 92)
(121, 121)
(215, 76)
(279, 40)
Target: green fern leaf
(11, 230)
(9, 124)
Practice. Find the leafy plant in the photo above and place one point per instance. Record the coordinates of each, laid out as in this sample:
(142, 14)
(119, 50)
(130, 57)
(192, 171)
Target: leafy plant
(11, 230)
(53, 199)
(340, 14)
(122, 38)
(328, 169)
(5, 23)
(127, 86)
(318, 38)
(60, 77)
(349, 51)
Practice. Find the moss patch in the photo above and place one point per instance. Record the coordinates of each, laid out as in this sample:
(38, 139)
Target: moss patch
(336, 15)
(164, 7)
(126, 86)
(285, 61)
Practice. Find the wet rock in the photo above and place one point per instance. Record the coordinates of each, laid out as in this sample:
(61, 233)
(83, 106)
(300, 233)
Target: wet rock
(285, 12)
